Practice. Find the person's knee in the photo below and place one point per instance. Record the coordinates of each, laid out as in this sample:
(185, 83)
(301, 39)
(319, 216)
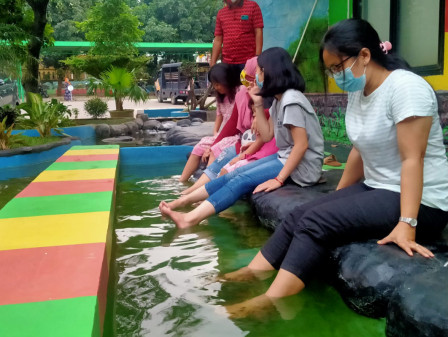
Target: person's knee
(318, 225)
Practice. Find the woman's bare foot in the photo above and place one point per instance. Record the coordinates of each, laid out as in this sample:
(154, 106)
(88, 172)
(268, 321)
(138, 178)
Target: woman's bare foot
(180, 202)
(258, 307)
(247, 274)
(262, 306)
(178, 217)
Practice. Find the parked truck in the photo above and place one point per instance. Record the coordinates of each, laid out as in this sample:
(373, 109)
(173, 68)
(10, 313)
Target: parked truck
(173, 84)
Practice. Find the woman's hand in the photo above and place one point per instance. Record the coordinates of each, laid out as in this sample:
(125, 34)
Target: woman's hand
(268, 186)
(234, 160)
(206, 155)
(403, 235)
(254, 90)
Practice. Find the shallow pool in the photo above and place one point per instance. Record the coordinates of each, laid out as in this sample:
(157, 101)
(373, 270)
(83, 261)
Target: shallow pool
(163, 280)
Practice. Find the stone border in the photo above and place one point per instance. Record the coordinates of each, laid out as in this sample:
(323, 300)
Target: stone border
(37, 148)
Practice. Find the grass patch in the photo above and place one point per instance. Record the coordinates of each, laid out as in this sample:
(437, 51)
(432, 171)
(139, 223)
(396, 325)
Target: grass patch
(108, 121)
(33, 141)
(333, 127)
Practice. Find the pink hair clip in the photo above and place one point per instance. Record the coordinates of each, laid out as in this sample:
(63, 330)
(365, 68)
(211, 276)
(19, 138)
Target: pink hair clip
(386, 46)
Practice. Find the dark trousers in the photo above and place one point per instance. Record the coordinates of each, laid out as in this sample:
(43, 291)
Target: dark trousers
(355, 213)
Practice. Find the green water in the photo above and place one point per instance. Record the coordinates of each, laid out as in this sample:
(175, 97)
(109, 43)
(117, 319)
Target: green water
(11, 187)
(163, 279)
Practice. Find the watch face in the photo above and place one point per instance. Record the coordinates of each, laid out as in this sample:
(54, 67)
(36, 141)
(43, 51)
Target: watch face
(413, 222)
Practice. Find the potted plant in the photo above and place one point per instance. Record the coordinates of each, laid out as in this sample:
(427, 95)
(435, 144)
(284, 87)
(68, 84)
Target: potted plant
(120, 84)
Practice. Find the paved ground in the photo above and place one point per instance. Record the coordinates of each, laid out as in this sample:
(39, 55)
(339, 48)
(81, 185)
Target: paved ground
(78, 103)
(205, 129)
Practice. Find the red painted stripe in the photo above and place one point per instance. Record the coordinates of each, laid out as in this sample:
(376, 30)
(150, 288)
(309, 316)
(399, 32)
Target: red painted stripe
(50, 273)
(102, 293)
(47, 188)
(446, 19)
(90, 157)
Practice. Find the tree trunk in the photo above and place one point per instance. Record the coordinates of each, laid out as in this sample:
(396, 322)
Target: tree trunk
(39, 7)
(118, 104)
(202, 100)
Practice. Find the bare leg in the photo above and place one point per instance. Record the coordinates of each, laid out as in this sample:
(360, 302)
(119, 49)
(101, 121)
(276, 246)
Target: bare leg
(285, 284)
(258, 268)
(185, 200)
(185, 220)
(191, 166)
(223, 171)
(211, 159)
(203, 179)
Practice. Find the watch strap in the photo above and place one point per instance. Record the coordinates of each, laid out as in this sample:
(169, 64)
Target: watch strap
(410, 221)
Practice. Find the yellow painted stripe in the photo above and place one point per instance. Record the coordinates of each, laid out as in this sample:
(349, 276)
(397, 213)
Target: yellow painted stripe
(53, 230)
(90, 152)
(68, 175)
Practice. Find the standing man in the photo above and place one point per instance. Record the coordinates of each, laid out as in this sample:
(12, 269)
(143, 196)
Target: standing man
(238, 32)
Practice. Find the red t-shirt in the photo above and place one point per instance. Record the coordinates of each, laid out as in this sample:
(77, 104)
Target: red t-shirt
(237, 28)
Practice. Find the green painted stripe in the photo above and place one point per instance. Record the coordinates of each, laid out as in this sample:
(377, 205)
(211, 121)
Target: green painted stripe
(57, 204)
(329, 168)
(74, 317)
(94, 147)
(82, 165)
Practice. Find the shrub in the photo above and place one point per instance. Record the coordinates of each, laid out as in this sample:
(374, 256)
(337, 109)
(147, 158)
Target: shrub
(41, 116)
(63, 112)
(6, 138)
(10, 112)
(95, 107)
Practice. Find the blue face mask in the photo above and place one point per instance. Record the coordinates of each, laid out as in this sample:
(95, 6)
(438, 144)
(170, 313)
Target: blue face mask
(259, 84)
(348, 82)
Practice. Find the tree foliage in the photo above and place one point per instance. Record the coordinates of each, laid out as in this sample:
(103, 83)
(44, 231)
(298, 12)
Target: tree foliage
(160, 20)
(113, 28)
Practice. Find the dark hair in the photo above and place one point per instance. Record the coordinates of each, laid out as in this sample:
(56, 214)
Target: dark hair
(280, 74)
(349, 36)
(228, 76)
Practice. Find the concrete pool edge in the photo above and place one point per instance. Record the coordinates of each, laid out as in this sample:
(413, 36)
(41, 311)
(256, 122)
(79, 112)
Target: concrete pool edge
(61, 270)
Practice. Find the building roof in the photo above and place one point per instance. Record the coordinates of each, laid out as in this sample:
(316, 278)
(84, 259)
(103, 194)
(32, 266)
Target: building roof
(149, 47)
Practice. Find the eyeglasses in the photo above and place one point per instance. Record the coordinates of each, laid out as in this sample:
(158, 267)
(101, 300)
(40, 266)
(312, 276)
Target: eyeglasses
(334, 69)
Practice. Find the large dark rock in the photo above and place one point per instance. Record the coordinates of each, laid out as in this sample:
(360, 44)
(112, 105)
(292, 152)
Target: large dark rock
(202, 114)
(367, 274)
(141, 115)
(184, 122)
(419, 308)
(133, 127)
(168, 125)
(152, 124)
(178, 136)
(102, 131)
(273, 206)
(119, 130)
(139, 122)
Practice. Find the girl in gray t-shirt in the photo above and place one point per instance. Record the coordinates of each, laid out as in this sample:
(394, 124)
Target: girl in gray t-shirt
(297, 133)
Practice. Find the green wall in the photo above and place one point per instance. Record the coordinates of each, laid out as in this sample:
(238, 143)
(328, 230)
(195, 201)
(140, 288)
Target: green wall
(337, 10)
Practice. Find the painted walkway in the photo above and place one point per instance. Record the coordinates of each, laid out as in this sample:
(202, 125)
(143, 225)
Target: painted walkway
(55, 241)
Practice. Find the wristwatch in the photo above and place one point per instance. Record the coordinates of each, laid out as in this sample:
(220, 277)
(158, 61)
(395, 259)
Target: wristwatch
(410, 221)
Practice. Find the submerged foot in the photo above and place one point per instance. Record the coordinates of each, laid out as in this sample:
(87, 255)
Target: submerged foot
(247, 274)
(262, 306)
(177, 217)
(259, 307)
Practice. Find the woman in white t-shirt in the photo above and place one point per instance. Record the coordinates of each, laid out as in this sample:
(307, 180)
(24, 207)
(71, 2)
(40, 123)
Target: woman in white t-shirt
(396, 174)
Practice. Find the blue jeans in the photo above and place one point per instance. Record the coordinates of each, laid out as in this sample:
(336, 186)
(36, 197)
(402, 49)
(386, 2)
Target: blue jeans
(226, 190)
(225, 156)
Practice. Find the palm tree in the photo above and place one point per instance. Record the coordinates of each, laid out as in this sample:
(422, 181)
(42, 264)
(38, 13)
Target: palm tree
(120, 84)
